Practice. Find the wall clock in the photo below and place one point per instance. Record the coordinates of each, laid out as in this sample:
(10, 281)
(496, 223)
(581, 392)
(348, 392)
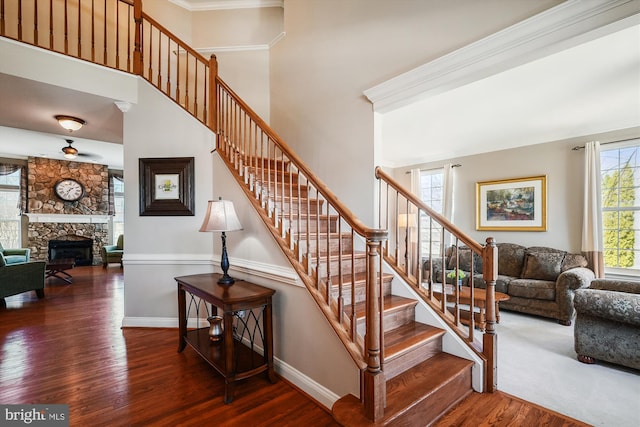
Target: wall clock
(69, 190)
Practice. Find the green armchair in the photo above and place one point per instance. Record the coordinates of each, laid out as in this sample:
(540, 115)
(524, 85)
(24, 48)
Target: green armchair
(113, 253)
(21, 277)
(15, 256)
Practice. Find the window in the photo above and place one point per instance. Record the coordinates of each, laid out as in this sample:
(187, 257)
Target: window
(10, 210)
(620, 169)
(118, 204)
(432, 194)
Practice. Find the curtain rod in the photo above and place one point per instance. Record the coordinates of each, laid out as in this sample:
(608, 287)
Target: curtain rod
(457, 165)
(580, 147)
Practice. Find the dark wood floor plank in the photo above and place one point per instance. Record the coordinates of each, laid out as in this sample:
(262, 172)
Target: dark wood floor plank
(69, 348)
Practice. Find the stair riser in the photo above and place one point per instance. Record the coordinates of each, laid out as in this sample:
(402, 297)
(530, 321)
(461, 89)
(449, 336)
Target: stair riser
(273, 176)
(330, 226)
(413, 357)
(432, 407)
(360, 291)
(271, 190)
(359, 265)
(392, 319)
(334, 246)
(295, 207)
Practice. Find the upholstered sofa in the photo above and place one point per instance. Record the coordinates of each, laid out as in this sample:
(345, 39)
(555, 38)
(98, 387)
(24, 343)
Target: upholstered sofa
(15, 256)
(539, 280)
(113, 253)
(607, 324)
(21, 277)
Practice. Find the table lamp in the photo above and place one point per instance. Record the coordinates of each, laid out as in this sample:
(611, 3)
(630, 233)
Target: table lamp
(221, 216)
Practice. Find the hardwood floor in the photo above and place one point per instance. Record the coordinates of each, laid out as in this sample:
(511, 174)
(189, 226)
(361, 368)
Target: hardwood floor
(69, 348)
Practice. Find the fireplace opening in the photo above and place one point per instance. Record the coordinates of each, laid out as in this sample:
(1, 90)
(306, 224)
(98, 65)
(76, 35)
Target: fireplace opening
(76, 247)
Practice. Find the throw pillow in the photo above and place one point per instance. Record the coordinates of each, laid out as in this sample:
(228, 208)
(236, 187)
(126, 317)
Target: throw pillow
(542, 265)
(510, 259)
(573, 261)
(464, 255)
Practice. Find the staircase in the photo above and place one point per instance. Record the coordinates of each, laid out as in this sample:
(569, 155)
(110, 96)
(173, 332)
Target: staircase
(347, 267)
(422, 382)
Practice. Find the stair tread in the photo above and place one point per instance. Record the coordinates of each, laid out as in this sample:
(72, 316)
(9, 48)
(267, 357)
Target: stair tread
(422, 380)
(391, 302)
(404, 338)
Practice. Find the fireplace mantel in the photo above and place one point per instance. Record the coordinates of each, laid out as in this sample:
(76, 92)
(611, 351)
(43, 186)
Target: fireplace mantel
(68, 218)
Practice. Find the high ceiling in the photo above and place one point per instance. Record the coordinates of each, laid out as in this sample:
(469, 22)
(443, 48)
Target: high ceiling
(588, 89)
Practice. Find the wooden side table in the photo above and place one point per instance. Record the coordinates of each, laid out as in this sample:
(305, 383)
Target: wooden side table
(247, 318)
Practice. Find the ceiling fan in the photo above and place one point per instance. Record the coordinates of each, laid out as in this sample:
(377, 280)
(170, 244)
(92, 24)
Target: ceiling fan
(71, 152)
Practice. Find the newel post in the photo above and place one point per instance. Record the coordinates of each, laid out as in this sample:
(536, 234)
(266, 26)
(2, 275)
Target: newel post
(213, 94)
(374, 381)
(137, 49)
(490, 339)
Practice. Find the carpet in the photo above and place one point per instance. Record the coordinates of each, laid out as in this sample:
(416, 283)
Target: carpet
(537, 362)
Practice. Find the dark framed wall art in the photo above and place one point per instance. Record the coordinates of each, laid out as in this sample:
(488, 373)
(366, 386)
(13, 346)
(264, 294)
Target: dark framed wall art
(167, 186)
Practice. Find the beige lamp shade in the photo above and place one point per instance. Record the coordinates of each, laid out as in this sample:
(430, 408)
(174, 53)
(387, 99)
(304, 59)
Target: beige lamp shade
(221, 216)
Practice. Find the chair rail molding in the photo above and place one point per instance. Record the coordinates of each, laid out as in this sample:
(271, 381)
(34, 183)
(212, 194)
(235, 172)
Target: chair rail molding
(564, 26)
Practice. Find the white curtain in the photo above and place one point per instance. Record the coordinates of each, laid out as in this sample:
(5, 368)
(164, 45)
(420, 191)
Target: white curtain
(447, 191)
(592, 240)
(415, 182)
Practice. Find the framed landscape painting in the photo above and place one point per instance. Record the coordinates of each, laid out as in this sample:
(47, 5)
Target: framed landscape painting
(518, 204)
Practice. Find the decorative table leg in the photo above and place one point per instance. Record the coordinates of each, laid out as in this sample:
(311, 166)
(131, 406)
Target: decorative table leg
(182, 321)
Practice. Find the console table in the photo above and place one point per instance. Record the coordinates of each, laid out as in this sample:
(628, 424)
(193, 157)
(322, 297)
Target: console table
(246, 311)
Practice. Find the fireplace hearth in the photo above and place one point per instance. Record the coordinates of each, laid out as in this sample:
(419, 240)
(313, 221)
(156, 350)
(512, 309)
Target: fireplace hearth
(76, 247)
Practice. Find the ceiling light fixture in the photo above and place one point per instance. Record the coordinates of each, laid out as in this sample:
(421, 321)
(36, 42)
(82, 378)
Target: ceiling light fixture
(70, 123)
(69, 152)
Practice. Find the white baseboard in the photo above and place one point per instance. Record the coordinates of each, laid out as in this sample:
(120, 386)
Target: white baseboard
(314, 389)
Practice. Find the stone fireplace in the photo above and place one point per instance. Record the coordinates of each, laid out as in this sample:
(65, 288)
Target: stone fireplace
(84, 223)
(78, 248)
(68, 230)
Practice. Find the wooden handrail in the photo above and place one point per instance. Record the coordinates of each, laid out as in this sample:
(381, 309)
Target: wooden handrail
(432, 290)
(174, 38)
(459, 234)
(349, 216)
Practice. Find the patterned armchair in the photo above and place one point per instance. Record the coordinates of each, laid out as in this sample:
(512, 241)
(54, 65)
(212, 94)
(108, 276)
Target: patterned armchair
(607, 324)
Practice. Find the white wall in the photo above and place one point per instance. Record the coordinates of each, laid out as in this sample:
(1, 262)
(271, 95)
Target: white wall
(161, 247)
(564, 169)
(335, 49)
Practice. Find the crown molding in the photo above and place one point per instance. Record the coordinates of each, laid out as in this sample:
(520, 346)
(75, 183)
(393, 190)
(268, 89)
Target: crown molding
(566, 25)
(227, 4)
(207, 51)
